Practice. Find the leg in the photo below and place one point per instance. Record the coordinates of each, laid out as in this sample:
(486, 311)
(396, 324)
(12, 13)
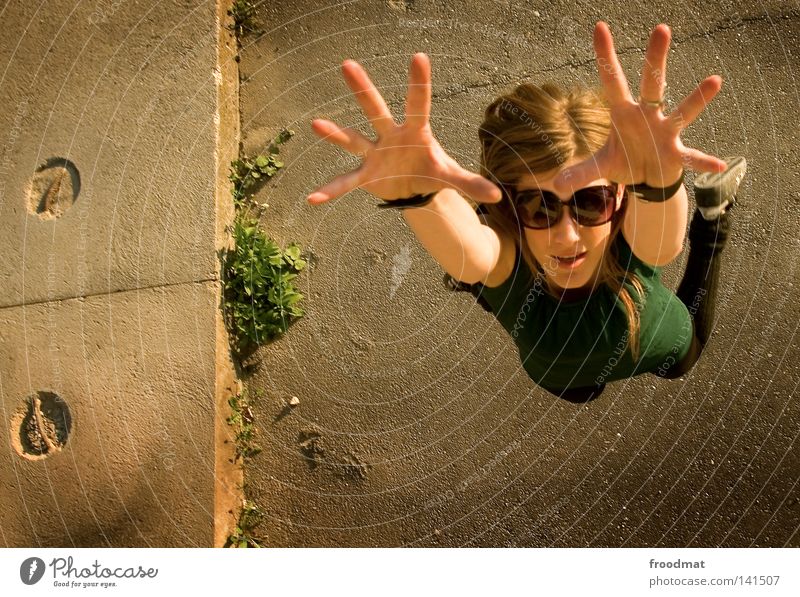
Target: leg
(715, 195)
(699, 286)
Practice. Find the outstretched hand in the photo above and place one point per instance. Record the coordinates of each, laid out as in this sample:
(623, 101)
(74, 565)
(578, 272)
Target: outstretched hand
(405, 159)
(644, 145)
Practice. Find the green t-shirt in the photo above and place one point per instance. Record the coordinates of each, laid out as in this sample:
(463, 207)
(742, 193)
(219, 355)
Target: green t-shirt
(583, 343)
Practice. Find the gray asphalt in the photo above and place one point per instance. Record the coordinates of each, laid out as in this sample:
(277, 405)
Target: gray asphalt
(416, 423)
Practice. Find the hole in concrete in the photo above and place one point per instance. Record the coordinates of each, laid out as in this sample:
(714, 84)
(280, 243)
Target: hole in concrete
(41, 426)
(54, 188)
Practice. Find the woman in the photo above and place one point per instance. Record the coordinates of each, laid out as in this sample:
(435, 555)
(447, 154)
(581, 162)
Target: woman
(587, 207)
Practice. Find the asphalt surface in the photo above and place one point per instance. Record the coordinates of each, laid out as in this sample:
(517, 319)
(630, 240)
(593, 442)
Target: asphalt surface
(416, 423)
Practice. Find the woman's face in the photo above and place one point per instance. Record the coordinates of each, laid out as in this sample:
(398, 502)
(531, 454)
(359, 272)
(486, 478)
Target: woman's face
(567, 238)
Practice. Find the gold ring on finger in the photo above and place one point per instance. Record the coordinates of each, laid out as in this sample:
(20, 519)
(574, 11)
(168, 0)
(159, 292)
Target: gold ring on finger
(653, 104)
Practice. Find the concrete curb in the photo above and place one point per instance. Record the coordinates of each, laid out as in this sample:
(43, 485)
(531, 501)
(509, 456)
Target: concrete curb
(228, 476)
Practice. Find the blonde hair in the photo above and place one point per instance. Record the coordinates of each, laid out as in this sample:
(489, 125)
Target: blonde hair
(538, 129)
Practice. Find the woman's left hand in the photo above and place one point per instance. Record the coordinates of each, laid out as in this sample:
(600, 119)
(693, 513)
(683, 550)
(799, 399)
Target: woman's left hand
(644, 145)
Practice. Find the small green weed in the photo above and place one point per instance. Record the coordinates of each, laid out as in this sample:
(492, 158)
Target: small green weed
(247, 171)
(261, 300)
(249, 518)
(243, 14)
(242, 421)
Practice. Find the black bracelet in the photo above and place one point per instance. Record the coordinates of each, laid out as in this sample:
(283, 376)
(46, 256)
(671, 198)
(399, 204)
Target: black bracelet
(415, 201)
(653, 194)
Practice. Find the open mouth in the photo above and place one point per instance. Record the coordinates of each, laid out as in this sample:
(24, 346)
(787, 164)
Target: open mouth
(572, 261)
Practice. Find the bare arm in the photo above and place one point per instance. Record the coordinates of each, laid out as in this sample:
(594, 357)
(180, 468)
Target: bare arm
(655, 231)
(407, 160)
(452, 233)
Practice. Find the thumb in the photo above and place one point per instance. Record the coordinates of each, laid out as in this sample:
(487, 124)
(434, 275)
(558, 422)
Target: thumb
(575, 177)
(476, 187)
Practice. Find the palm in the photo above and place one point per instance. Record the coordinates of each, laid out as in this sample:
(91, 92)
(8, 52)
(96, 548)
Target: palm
(405, 159)
(418, 164)
(644, 144)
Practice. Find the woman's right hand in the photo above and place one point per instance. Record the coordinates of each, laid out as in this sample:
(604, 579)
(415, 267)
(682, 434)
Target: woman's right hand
(406, 159)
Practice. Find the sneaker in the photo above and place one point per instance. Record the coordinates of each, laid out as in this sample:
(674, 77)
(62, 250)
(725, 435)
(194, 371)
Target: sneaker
(715, 192)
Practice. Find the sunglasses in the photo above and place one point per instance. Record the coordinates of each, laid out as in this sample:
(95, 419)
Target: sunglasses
(590, 206)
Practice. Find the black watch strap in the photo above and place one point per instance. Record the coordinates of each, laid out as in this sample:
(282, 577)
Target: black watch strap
(415, 201)
(653, 194)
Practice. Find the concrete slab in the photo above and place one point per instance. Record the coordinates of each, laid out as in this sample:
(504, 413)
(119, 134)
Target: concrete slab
(128, 93)
(132, 108)
(416, 424)
(137, 375)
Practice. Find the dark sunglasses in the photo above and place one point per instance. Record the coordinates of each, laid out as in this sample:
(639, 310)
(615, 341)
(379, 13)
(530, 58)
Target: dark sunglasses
(590, 206)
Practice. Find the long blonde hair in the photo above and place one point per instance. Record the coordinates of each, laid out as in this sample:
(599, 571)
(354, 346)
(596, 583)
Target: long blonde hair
(538, 129)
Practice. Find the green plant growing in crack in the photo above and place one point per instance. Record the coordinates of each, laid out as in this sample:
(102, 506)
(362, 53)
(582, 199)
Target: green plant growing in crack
(243, 13)
(260, 298)
(246, 172)
(243, 423)
(243, 534)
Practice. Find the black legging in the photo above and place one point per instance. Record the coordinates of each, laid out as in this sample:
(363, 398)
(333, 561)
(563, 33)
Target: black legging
(699, 286)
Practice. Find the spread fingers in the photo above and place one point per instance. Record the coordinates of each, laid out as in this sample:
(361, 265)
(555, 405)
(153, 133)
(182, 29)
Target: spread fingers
(691, 107)
(368, 96)
(348, 139)
(418, 101)
(341, 185)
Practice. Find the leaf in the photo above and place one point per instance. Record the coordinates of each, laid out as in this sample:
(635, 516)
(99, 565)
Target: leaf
(293, 298)
(293, 251)
(262, 161)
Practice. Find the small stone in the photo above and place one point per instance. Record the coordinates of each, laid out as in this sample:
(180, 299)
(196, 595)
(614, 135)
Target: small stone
(294, 401)
(536, 13)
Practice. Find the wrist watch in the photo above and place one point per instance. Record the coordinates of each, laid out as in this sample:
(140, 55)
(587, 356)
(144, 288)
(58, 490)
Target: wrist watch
(653, 194)
(415, 201)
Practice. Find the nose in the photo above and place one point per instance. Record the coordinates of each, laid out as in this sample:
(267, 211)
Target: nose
(564, 235)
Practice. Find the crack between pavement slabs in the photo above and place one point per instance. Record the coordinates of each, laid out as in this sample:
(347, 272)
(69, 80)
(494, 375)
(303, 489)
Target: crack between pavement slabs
(113, 292)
